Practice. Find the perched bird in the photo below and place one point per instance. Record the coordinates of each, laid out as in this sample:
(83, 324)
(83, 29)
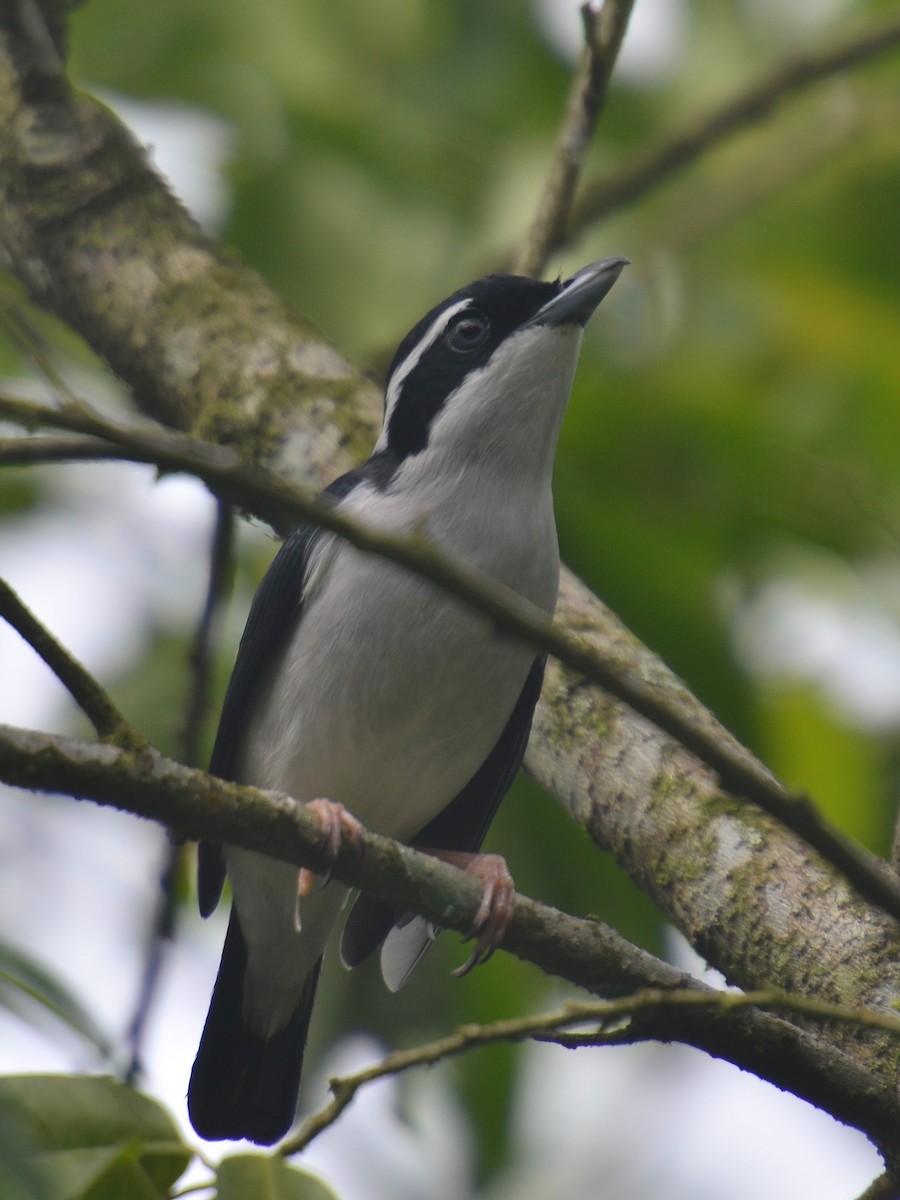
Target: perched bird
(360, 686)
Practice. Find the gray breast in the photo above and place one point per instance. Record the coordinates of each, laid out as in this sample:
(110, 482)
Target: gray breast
(392, 693)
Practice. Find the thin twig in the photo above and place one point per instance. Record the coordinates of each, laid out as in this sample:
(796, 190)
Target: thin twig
(611, 193)
(779, 163)
(548, 1027)
(846, 1080)
(81, 685)
(162, 930)
(45, 56)
(606, 1012)
(29, 340)
(165, 918)
(31, 451)
(604, 30)
(756, 102)
(274, 499)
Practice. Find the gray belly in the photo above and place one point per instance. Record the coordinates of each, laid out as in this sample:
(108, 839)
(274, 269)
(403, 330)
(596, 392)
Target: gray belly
(391, 696)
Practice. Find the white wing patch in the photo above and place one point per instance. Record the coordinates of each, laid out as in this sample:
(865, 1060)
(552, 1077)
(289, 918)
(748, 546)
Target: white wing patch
(404, 948)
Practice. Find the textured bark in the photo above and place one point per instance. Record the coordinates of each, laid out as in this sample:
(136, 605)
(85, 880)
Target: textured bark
(205, 345)
(753, 899)
(585, 952)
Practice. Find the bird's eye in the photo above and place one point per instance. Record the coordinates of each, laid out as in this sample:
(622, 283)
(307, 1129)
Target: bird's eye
(468, 332)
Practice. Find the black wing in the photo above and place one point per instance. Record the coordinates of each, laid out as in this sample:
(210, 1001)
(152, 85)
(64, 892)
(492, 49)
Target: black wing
(462, 825)
(276, 609)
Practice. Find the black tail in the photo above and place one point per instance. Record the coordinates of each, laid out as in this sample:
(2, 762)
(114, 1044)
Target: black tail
(243, 1086)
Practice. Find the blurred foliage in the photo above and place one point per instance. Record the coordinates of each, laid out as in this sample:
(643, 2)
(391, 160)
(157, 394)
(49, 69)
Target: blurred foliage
(93, 1138)
(736, 407)
(244, 1175)
(30, 990)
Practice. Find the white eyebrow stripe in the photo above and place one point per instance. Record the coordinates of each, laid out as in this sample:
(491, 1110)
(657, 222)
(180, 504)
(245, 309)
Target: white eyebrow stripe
(412, 361)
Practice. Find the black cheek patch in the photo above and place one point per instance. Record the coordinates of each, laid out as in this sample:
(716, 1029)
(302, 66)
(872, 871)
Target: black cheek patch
(508, 301)
(424, 393)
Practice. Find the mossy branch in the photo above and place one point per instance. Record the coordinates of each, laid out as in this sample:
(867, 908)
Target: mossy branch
(87, 693)
(585, 952)
(614, 1024)
(274, 498)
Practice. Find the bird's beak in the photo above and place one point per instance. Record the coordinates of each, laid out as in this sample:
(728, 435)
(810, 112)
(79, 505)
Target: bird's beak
(580, 295)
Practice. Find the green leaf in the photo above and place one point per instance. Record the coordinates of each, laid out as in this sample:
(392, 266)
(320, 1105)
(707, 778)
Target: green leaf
(94, 1138)
(265, 1177)
(25, 983)
(21, 1177)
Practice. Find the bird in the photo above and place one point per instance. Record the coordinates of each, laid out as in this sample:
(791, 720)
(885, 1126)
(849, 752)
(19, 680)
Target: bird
(375, 695)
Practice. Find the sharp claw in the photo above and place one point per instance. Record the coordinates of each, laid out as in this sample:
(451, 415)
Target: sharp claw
(498, 898)
(337, 825)
(484, 949)
(471, 962)
(485, 908)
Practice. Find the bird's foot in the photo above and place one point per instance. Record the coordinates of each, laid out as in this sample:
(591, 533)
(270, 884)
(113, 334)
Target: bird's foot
(498, 900)
(337, 825)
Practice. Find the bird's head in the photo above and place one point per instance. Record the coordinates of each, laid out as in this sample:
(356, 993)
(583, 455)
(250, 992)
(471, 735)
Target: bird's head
(492, 364)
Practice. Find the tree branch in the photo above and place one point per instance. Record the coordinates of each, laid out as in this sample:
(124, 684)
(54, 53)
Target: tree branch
(670, 708)
(32, 451)
(165, 917)
(85, 691)
(227, 358)
(785, 156)
(610, 193)
(28, 340)
(604, 30)
(195, 805)
(549, 1027)
(853, 1081)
